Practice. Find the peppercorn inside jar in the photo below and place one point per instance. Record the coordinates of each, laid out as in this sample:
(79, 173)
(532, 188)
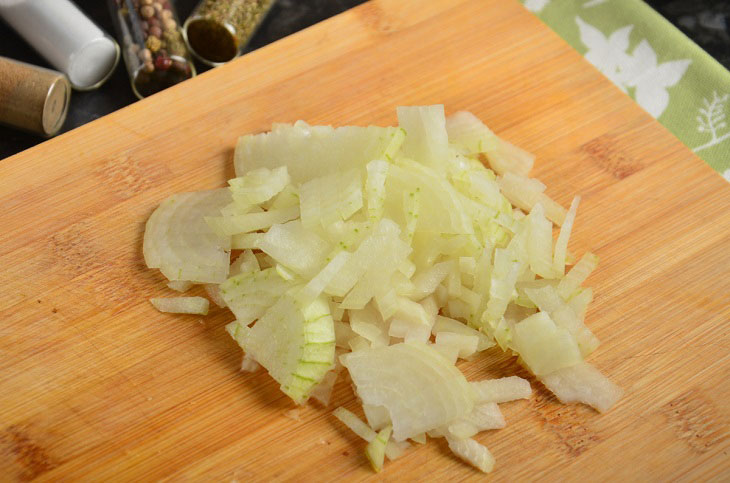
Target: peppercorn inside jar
(153, 46)
(218, 30)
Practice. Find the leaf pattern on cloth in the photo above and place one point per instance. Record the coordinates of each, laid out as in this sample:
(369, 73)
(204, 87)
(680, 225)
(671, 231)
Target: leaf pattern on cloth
(712, 120)
(607, 54)
(651, 80)
(622, 39)
(639, 69)
(536, 5)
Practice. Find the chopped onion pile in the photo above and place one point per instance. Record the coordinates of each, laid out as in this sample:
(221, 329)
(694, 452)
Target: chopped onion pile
(397, 249)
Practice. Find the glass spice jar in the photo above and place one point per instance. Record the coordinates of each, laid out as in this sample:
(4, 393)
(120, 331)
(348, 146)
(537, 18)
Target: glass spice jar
(33, 98)
(152, 44)
(218, 30)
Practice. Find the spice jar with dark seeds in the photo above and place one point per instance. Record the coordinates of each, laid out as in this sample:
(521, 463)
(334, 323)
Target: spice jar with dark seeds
(152, 43)
(218, 30)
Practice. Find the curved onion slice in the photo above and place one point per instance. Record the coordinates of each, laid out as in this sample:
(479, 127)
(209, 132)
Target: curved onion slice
(179, 242)
(318, 150)
(440, 208)
(259, 185)
(420, 389)
(295, 344)
(194, 248)
(250, 294)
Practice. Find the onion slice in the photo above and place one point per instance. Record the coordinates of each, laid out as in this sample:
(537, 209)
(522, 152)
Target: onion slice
(181, 305)
(583, 383)
(420, 389)
(178, 241)
(295, 344)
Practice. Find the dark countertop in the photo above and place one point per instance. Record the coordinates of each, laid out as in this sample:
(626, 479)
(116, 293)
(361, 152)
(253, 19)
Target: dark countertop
(707, 22)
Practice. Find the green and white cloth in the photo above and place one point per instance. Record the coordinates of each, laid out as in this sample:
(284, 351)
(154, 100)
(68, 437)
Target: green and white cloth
(666, 73)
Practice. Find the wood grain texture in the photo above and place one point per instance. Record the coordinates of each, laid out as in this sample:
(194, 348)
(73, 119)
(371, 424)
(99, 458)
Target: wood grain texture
(96, 385)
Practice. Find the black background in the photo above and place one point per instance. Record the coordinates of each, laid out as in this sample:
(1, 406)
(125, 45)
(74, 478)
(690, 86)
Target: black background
(287, 17)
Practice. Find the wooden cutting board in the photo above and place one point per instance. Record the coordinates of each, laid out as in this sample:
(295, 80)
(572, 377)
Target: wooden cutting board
(96, 385)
